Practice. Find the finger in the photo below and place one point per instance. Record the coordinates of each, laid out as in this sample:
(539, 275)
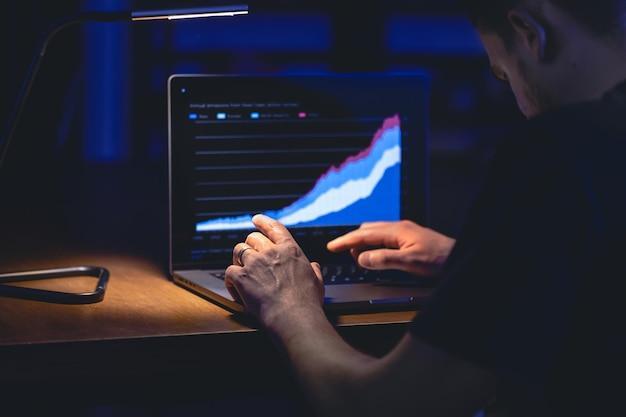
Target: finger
(382, 259)
(363, 238)
(238, 255)
(259, 241)
(318, 271)
(273, 229)
(373, 225)
(355, 252)
(233, 273)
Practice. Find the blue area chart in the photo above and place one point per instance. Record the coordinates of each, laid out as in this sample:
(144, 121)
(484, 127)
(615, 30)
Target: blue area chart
(365, 187)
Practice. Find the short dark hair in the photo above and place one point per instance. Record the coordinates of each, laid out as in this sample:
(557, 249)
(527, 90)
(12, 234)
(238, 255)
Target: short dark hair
(603, 17)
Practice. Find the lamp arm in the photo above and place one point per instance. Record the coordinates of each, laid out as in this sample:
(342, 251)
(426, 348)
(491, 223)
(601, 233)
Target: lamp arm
(22, 99)
(33, 71)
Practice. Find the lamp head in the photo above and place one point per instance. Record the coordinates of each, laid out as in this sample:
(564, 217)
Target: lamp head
(195, 13)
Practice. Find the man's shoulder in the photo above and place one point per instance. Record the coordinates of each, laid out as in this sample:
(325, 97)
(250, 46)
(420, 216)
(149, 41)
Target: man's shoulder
(584, 124)
(592, 130)
(575, 158)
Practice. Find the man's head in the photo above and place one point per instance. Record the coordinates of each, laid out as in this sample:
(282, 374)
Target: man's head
(553, 52)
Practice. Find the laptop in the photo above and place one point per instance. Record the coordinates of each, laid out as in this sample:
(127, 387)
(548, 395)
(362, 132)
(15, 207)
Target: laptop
(322, 154)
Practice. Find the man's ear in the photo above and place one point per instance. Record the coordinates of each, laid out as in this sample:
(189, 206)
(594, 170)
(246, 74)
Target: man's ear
(532, 33)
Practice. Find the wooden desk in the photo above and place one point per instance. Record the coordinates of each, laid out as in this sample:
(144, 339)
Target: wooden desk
(146, 332)
(150, 345)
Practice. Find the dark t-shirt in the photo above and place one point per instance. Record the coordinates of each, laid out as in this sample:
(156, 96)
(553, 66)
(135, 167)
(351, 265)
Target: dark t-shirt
(535, 289)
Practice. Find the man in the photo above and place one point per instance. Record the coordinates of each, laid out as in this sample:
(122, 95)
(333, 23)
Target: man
(529, 310)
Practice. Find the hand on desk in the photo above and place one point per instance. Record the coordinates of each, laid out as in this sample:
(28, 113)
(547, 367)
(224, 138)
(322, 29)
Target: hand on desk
(403, 246)
(272, 277)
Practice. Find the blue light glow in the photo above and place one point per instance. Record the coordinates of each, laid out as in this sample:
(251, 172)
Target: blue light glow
(432, 35)
(267, 32)
(107, 108)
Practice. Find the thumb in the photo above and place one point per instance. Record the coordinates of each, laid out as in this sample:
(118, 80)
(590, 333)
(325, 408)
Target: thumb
(381, 259)
(318, 271)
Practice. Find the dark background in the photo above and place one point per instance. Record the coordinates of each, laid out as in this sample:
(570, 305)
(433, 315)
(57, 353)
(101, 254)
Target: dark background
(88, 168)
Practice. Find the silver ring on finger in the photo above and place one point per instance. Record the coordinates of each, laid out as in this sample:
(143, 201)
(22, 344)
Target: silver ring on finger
(241, 254)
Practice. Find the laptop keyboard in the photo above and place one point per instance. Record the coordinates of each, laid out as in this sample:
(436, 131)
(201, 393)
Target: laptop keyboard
(348, 274)
(352, 274)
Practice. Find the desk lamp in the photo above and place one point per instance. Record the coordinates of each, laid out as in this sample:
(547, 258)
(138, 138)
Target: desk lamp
(98, 272)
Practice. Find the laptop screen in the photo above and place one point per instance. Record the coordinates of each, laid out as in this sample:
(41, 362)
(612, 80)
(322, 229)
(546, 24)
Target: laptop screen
(320, 154)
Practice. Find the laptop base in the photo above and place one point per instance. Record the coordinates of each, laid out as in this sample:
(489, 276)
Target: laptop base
(345, 298)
